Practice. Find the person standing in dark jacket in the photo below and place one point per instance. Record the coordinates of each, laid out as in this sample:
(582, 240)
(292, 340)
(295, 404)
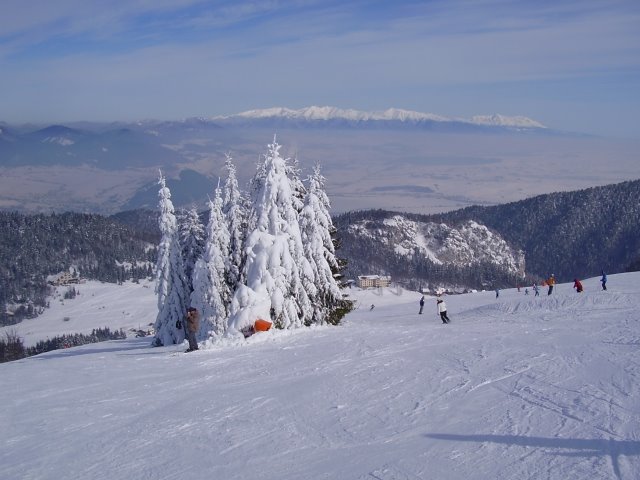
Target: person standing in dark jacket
(603, 280)
(192, 324)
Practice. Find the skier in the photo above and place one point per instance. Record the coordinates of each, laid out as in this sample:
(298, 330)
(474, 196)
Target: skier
(577, 285)
(497, 292)
(603, 280)
(372, 307)
(551, 281)
(536, 289)
(526, 291)
(191, 325)
(442, 309)
(421, 304)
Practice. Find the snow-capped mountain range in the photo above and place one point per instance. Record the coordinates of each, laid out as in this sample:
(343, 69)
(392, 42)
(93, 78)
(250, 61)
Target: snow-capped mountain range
(394, 159)
(326, 114)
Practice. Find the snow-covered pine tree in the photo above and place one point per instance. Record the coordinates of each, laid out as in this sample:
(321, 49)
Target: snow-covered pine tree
(235, 216)
(297, 187)
(275, 261)
(316, 227)
(171, 288)
(212, 295)
(192, 238)
(256, 185)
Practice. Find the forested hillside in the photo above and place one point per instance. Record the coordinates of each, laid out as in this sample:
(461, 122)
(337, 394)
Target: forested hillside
(570, 234)
(35, 246)
(426, 255)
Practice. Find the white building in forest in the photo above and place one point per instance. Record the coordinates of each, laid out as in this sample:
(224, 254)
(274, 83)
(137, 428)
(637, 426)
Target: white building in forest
(373, 281)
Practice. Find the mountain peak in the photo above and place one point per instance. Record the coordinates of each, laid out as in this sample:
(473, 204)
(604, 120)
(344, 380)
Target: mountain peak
(328, 113)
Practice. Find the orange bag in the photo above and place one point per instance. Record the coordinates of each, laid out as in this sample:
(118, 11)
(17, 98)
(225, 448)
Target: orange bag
(262, 325)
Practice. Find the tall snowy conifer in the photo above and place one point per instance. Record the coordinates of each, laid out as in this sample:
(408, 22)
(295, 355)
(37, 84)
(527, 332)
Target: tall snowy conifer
(212, 295)
(170, 284)
(297, 187)
(256, 185)
(192, 238)
(316, 227)
(235, 216)
(275, 261)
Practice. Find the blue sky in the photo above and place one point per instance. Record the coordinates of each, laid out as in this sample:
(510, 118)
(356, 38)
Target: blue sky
(572, 65)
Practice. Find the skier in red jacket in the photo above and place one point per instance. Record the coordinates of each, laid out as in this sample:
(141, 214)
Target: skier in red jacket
(577, 285)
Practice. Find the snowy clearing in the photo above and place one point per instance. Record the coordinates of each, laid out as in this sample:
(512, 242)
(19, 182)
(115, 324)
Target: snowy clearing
(127, 306)
(516, 387)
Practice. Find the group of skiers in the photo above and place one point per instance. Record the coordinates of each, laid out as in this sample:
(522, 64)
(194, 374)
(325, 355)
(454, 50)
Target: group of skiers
(550, 282)
(442, 309)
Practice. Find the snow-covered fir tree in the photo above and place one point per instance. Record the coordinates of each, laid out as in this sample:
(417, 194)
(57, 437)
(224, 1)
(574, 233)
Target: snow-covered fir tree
(235, 216)
(171, 287)
(212, 295)
(297, 186)
(192, 238)
(316, 228)
(275, 263)
(256, 185)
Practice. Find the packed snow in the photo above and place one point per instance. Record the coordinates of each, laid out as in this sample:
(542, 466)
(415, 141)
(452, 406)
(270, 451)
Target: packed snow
(130, 306)
(515, 387)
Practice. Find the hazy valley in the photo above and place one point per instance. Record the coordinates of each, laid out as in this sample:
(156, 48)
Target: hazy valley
(401, 163)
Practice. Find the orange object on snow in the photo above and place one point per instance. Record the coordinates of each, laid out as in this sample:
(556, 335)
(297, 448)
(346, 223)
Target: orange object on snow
(261, 325)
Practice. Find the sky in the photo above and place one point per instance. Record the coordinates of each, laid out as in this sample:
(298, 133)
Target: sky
(519, 387)
(573, 65)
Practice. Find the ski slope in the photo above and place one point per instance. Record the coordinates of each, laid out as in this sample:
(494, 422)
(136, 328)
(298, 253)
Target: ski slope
(517, 387)
(130, 306)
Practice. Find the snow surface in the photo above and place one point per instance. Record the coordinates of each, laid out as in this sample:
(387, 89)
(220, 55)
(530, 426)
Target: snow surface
(127, 306)
(516, 387)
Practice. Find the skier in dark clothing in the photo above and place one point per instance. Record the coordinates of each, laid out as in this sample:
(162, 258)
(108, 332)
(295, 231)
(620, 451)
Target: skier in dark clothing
(603, 280)
(442, 309)
(421, 305)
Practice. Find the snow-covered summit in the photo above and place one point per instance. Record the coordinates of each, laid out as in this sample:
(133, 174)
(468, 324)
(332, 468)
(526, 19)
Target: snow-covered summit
(63, 141)
(504, 121)
(327, 113)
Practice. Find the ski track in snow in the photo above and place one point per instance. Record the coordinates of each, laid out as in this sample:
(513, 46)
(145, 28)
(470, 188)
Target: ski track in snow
(515, 387)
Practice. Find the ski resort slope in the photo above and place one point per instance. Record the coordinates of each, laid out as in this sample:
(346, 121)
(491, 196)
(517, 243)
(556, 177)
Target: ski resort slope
(129, 306)
(517, 387)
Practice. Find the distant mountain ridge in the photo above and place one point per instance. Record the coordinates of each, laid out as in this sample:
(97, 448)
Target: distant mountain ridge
(396, 115)
(393, 159)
